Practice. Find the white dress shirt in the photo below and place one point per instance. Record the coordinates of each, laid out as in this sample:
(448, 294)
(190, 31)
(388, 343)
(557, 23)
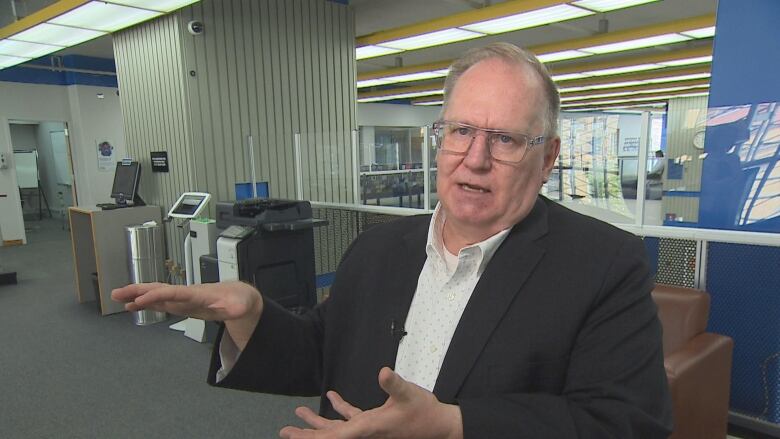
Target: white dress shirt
(443, 290)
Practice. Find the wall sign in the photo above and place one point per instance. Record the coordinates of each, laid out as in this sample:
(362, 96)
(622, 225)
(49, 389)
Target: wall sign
(159, 161)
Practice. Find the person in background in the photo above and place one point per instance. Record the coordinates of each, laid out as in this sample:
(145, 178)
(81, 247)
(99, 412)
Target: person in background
(502, 315)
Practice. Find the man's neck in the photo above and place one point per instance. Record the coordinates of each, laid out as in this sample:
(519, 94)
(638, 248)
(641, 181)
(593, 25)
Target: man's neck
(456, 236)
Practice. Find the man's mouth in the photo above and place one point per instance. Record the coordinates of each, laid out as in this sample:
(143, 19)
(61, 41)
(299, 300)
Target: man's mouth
(473, 188)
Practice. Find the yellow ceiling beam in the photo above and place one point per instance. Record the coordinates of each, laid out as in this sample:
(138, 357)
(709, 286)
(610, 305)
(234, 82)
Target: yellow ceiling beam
(636, 88)
(460, 19)
(578, 43)
(628, 34)
(41, 16)
(633, 60)
(638, 76)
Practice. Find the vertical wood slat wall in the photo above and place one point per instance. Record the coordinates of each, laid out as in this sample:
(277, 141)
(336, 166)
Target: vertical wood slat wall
(683, 114)
(265, 68)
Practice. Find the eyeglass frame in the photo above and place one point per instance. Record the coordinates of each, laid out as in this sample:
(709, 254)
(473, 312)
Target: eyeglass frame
(530, 141)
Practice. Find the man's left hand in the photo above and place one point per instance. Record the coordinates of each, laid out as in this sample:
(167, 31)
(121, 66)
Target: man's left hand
(409, 412)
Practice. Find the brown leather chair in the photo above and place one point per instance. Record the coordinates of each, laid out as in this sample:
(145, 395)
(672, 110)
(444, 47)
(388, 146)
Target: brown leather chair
(698, 363)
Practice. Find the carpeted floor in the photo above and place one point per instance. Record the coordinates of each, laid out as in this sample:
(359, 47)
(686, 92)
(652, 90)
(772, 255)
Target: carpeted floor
(67, 372)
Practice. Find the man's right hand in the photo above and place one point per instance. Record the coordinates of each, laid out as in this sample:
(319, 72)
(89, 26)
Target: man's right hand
(238, 304)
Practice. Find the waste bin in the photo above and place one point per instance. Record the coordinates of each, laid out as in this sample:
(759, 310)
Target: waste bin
(145, 258)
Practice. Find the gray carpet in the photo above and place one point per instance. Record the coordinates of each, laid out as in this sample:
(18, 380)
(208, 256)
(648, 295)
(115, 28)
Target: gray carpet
(67, 372)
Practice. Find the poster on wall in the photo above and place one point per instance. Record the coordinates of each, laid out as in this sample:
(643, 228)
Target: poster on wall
(105, 154)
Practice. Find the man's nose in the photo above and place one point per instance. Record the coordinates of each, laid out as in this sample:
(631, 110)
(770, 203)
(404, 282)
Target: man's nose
(478, 154)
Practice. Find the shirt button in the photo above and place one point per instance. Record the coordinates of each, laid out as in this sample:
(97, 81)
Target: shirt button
(451, 297)
(433, 349)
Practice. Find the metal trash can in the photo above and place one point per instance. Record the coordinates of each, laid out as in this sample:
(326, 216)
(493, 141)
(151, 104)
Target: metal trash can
(145, 258)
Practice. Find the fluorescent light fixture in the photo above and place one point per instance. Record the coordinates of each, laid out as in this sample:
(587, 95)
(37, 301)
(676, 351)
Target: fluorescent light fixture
(529, 19)
(637, 43)
(642, 99)
(562, 55)
(372, 82)
(614, 85)
(609, 5)
(413, 94)
(155, 5)
(373, 51)
(625, 69)
(441, 102)
(8, 61)
(46, 33)
(24, 49)
(568, 76)
(104, 16)
(687, 61)
(678, 78)
(416, 76)
(432, 39)
(705, 32)
(632, 93)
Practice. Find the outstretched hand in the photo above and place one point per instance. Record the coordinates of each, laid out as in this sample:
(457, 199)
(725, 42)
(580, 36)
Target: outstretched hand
(409, 412)
(238, 304)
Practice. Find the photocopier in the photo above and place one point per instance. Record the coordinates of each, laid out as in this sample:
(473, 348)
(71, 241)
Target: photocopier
(270, 244)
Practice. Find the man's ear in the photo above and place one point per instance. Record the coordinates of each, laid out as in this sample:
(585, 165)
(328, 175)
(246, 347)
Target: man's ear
(551, 150)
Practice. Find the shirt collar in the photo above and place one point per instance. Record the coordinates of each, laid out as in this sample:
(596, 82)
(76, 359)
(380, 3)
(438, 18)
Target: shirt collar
(483, 250)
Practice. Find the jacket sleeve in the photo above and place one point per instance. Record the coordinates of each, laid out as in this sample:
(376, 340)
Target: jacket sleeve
(615, 385)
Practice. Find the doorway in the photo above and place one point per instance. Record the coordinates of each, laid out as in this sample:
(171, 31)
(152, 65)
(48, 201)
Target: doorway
(44, 174)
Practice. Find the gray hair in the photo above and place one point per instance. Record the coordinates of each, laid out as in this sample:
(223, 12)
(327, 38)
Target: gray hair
(513, 55)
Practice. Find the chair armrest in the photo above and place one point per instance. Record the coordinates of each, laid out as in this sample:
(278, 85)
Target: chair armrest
(699, 375)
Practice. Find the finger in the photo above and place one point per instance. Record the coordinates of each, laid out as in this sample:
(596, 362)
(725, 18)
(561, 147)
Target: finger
(343, 408)
(395, 386)
(165, 293)
(308, 416)
(130, 292)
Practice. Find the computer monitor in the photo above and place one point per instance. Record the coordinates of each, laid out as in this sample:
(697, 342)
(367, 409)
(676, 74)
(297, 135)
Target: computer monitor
(125, 188)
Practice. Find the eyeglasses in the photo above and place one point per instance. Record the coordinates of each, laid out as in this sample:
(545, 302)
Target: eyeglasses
(505, 146)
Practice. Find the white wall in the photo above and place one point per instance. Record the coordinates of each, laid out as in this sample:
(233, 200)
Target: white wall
(95, 120)
(25, 102)
(88, 118)
(396, 115)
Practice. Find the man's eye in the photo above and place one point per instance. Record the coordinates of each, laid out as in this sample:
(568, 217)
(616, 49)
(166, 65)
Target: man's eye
(463, 131)
(505, 138)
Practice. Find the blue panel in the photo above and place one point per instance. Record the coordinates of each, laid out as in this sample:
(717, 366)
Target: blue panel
(325, 280)
(32, 76)
(89, 63)
(244, 190)
(44, 76)
(674, 171)
(743, 281)
(746, 53)
(652, 246)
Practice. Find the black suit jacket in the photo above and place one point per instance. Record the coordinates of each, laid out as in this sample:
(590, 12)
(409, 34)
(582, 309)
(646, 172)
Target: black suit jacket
(560, 338)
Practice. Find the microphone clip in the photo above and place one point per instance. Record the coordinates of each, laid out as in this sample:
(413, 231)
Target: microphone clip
(397, 331)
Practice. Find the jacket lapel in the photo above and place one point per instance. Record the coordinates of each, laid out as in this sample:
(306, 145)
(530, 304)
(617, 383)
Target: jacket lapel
(502, 279)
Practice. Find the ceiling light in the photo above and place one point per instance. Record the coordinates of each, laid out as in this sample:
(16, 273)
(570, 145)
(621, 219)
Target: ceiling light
(705, 32)
(372, 82)
(621, 70)
(104, 16)
(399, 96)
(46, 33)
(440, 102)
(637, 43)
(155, 5)
(373, 51)
(630, 93)
(26, 50)
(568, 76)
(8, 61)
(609, 5)
(614, 85)
(526, 20)
(432, 39)
(678, 78)
(687, 61)
(562, 55)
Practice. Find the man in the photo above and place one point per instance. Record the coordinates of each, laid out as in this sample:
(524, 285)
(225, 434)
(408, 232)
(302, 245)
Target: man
(503, 315)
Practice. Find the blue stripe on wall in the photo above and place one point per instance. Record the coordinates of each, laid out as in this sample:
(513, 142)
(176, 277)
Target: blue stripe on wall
(29, 75)
(686, 194)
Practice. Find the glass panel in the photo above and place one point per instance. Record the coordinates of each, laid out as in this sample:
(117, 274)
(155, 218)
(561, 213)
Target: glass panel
(391, 171)
(326, 169)
(596, 170)
(656, 170)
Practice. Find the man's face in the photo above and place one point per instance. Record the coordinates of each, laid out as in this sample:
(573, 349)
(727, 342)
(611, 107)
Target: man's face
(480, 195)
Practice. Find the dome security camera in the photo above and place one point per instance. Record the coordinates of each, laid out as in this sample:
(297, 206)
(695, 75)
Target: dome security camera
(195, 27)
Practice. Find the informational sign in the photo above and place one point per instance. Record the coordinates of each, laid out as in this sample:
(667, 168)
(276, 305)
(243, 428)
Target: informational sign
(630, 146)
(105, 155)
(159, 161)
